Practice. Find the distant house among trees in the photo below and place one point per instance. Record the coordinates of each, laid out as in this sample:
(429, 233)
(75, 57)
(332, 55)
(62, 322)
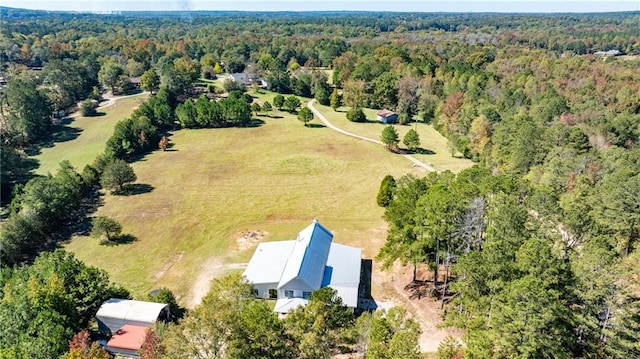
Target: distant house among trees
(290, 270)
(387, 116)
(135, 82)
(608, 53)
(128, 322)
(248, 79)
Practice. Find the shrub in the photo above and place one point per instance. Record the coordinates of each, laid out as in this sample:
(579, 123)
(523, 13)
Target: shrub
(88, 108)
(105, 226)
(356, 115)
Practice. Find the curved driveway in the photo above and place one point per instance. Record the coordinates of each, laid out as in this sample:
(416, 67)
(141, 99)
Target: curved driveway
(109, 100)
(416, 162)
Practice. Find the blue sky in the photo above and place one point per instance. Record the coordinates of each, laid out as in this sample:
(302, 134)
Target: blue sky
(315, 5)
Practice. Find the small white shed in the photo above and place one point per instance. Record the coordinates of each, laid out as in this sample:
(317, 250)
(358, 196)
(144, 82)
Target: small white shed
(116, 313)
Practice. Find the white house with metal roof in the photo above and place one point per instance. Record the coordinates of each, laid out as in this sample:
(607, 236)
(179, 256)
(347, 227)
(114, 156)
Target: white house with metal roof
(290, 270)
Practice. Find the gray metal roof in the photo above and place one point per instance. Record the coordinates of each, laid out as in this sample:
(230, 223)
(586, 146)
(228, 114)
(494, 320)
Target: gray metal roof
(285, 305)
(114, 313)
(268, 261)
(344, 264)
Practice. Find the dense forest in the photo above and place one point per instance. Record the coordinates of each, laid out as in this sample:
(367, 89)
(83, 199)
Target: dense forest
(534, 250)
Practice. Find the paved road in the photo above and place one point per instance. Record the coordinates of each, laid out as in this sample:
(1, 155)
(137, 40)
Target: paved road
(416, 162)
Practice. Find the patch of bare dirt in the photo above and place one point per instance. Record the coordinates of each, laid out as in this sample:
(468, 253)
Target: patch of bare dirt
(213, 268)
(629, 57)
(250, 238)
(424, 308)
(175, 259)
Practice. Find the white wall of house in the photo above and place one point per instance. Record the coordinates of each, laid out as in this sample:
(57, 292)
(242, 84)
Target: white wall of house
(296, 293)
(263, 289)
(297, 286)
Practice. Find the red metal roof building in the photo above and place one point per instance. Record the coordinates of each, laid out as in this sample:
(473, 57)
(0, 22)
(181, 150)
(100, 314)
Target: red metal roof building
(127, 341)
(387, 116)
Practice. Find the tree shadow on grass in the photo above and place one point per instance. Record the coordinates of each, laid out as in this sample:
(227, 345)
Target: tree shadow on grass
(136, 188)
(65, 134)
(23, 174)
(170, 146)
(119, 240)
(315, 125)
(61, 133)
(424, 151)
(255, 122)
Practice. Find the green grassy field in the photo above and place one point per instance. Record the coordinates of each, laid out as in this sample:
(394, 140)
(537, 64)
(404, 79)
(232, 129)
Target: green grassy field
(213, 185)
(439, 155)
(216, 183)
(93, 134)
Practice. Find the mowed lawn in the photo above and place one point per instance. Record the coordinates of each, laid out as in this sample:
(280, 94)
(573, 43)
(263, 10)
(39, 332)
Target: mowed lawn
(93, 135)
(215, 184)
(437, 152)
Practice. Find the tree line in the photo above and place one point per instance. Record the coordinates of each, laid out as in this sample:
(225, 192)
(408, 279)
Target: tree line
(231, 323)
(523, 271)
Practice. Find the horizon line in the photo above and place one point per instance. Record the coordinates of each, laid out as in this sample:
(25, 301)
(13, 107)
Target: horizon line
(468, 12)
(293, 6)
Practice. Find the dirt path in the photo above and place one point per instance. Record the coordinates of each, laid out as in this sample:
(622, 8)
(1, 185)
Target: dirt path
(426, 310)
(416, 162)
(211, 269)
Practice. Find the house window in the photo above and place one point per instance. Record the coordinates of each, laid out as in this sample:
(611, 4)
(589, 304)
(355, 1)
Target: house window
(273, 293)
(255, 292)
(306, 295)
(288, 293)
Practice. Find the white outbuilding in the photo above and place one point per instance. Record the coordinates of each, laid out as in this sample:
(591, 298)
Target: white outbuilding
(116, 313)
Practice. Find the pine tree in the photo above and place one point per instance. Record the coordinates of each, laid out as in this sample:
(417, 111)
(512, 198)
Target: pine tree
(266, 107)
(105, 226)
(335, 100)
(278, 101)
(389, 137)
(411, 140)
(385, 194)
(116, 175)
(305, 115)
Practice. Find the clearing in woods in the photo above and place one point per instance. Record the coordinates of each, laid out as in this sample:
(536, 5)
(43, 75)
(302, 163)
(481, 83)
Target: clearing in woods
(81, 139)
(217, 192)
(214, 184)
(434, 149)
